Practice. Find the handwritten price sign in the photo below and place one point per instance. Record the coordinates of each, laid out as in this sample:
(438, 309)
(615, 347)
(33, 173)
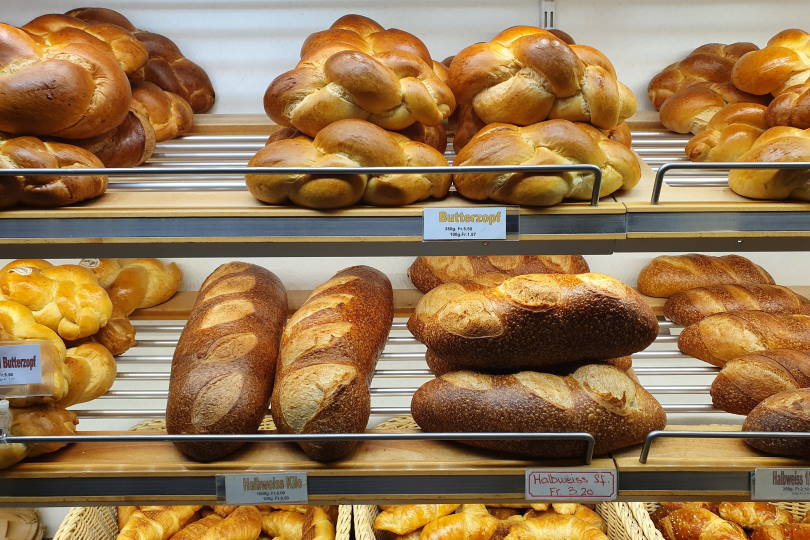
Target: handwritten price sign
(559, 484)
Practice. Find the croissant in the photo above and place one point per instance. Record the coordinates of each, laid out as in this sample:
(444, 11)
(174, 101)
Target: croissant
(123, 513)
(700, 524)
(156, 522)
(283, 523)
(318, 524)
(196, 529)
(244, 523)
(406, 518)
(461, 526)
(553, 526)
(752, 515)
(223, 510)
(788, 531)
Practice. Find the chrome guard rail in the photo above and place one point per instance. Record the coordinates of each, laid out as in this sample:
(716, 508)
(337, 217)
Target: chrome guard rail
(719, 165)
(653, 435)
(153, 171)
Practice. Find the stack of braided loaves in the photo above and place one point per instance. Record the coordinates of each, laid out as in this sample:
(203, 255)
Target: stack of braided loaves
(747, 104)
(88, 90)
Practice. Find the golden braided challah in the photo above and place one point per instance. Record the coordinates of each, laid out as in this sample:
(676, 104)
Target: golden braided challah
(729, 134)
(128, 145)
(525, 75)
(357, 69)
(66, 299)
(36, 421)
(691, 109)
(130, 53)
(348, 143)
(778, 144)
(48, 191)
(554, 142)
(62, 84)
(791, 107)
(169, 114)
(783, 63)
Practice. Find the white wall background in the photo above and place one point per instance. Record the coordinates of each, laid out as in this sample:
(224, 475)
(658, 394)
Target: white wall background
(244, 44)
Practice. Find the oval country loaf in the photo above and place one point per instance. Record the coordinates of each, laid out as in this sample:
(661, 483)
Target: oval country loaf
(533, 321)
(427, 273)
(670, 274)
(745, 381)
(724, 336)
(785, 411)
(689, 307)
(598, 399)
(224, 364)
(438, 366)
(329, 349)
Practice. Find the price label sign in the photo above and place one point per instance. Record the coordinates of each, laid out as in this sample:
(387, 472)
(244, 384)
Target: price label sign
(278, 488)
(484, 223)
(567, 484)
(20, 364)
(773, 484)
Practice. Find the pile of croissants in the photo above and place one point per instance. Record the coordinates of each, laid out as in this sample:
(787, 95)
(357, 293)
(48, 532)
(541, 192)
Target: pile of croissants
(364, 96)
(81, 312)
(88, 89)
(730, 520)
(743, 103)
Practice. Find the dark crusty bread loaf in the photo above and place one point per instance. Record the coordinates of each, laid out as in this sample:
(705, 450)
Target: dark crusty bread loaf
(225, 361)
(438, 366)
(725, 336)
(329, 349)
(533, 321)
(598, 399)
(670, 274)
(427, 273)
(747, 380)
(785, 411)
(688, 307)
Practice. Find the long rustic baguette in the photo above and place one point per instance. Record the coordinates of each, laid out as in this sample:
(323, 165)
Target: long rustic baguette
(725, 336)
(225, 361)
(598, 399)
(688, 307)
(785, 411)
(533, 321)
(670, 274)
(329, 349)
(745, 381)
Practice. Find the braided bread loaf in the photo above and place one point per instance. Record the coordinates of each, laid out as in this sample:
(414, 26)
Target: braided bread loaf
(598, 399)
(791, 107)
(128, 145)
(66, 299)
(779, 144)
(33, 422)
(166, 66)
(729, 134)
(130, 53)
(169, 114)
(357, 69)
(434, 136)
(348, 143)
(533, 321)
(329, 349)
(47, 191)
(783, 63)
(427, 273)
(63, 84)
(691, 109)
(554, 142)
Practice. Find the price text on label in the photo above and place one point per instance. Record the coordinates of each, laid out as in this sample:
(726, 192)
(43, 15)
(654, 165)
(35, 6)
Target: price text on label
(464, 223)
(556, 484)
(283, 488)
(781, 485)
(20, 364)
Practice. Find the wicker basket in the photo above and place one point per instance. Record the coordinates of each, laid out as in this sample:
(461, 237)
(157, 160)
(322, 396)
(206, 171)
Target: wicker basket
(618, 519)
(641, 512)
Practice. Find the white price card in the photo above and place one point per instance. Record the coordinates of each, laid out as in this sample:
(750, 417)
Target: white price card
(781, 484)
(282, 488)
(569, 484)
(483, 223)
(20, 364)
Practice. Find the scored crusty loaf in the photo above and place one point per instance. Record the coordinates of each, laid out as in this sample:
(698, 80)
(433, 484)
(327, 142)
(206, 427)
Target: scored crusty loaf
(34, 422)
(786, 531)
(785, 411)
(329, 349)
(747, 380)
(551, 142)
(61, 84)
(598, 399)
(224, 363)
(348, 143)
(534, 321)
(784, 62)
(692, 109)
(729, 134)
(47, 191)
(669, 274)
(724, 336)
(699, 523)
(750, 515)
(782, 144)
(791, 107)
(688, 307)
(427, 273)
(439, 366)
